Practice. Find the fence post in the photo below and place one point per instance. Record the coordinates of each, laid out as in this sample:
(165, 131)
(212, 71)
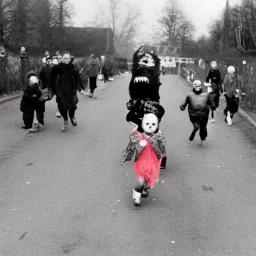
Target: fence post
(24, 59)
(3, 72)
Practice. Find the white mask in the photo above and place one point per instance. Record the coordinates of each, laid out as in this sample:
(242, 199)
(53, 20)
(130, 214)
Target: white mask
(149, 123)
(33, 80)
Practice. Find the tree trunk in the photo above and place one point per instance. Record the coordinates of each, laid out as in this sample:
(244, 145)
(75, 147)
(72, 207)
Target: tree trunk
(1, 22)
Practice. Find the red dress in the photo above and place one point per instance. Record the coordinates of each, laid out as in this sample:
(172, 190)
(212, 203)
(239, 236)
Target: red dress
(148, 164)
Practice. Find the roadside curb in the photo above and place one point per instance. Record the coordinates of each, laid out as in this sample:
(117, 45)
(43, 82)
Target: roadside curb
(11, 97)
(246, 116)
(241, 112)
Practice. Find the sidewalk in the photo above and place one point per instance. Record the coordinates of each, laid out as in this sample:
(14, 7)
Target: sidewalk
(8, 97)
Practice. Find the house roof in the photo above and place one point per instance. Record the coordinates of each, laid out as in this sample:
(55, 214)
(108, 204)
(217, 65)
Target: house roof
(83, 41)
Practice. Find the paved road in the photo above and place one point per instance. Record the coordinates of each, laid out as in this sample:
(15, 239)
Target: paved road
(66, 194)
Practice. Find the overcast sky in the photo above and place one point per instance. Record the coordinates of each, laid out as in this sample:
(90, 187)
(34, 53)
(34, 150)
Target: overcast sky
(200, 12)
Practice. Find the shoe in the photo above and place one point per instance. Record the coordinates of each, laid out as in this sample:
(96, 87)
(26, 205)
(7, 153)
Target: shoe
(25, 127)
(84, 93)
(212, 120)
(58, 115)
(73, 121)
(136, 197)
(65, 126)
(229, 120)
(202, 143)
(145, 192)
(36, 127)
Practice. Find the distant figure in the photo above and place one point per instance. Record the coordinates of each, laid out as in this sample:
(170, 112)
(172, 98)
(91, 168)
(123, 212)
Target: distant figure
(45, 72)
(232, 88)
(107, 70)
(214, 78)
(163, 70)
(92, 71)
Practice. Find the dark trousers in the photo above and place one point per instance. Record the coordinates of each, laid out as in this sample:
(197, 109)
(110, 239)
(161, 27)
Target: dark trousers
(199, 123)
(28, 114)
(232, 105)
(64, 112)
(93, 83)
(106, 76)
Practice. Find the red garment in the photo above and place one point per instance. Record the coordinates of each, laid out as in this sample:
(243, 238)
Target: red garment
(147, 166)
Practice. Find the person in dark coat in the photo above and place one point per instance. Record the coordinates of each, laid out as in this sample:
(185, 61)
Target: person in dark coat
(214, 78)
(92, 71)
(232, 85)
(32, 101)
(199, 104)
(45, 72)
(64, 83)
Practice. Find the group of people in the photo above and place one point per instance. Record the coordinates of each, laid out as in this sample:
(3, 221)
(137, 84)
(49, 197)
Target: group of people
(58, 77)
(200, 103)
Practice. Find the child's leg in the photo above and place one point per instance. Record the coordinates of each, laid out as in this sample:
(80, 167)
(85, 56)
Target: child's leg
(145, 191)
(40, 113)
(136, 195)
(28, 117)
(196, 124)
(64, 114)
(203, 128)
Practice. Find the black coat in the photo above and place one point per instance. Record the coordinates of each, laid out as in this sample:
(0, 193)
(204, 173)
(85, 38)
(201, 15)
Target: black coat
(64, 83)
(199, 104)
(215, 77)
(44, 76)
(30, 98)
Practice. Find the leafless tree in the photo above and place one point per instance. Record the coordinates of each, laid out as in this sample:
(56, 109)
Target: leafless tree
(122, 18)
(244, 25)
(175, 29)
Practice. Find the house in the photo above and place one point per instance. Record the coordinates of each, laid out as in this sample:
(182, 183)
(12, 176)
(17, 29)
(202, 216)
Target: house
(84, 41)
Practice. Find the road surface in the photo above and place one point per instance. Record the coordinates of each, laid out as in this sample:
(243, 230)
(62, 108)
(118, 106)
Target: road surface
(66, 193)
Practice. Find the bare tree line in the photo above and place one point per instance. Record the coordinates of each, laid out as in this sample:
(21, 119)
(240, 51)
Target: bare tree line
(37, 23)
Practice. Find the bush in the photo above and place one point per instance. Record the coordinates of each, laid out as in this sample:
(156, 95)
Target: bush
(10, 70)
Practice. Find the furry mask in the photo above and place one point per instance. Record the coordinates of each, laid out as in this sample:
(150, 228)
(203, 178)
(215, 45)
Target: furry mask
(145, 75)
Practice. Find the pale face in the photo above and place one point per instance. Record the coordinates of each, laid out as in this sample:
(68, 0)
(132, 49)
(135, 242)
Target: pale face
(33, 80)
(66, 58)
(149, 123)
(197, 86)
(147, 61)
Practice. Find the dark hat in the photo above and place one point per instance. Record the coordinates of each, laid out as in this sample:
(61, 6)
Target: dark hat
(31, 73)
(48, 58)
(153, 107)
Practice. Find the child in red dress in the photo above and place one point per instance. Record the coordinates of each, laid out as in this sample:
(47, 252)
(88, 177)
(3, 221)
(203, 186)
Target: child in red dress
(149, 149)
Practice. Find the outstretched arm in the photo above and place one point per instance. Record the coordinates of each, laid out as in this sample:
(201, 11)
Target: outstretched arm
(184, 104)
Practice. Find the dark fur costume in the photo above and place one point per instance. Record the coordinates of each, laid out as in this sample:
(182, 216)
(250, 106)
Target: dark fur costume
(141, 89)
(145, 83)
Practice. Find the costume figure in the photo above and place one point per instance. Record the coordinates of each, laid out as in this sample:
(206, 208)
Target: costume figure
(199, 104)
(145, 83)
(144, 86)
(149, 149)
